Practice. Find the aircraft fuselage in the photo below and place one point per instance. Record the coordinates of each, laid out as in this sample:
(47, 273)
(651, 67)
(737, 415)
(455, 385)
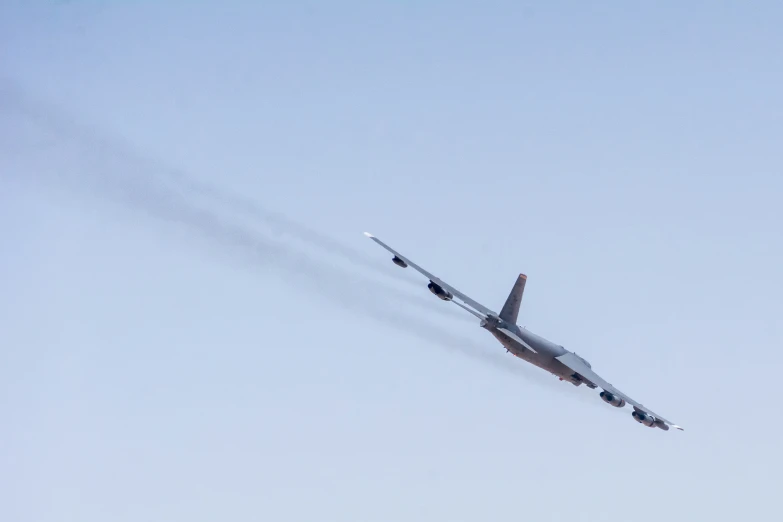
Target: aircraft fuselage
(545, 358)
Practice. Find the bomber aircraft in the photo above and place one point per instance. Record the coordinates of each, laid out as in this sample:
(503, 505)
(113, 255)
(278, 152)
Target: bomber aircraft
(530, 347)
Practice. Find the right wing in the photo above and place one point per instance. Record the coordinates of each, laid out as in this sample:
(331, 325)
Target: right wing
(576, 364)
(467, 300)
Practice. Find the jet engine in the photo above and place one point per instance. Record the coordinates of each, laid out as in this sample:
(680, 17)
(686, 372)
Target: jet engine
(643, 418)
(662, 425)
(608, 398)
(399, 262)
(440, 292)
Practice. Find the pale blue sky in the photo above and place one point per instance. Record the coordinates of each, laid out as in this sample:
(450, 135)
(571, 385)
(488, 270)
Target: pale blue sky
(165, 355)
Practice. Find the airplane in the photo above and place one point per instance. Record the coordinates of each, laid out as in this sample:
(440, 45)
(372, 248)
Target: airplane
(522, 343)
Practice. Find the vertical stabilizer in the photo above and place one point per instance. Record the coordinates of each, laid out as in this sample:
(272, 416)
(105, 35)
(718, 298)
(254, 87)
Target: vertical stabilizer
(510, 310)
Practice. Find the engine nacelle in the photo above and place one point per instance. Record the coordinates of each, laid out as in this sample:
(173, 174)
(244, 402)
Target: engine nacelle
(643, 418)
(399, 262)
(608, 398)
(440, 292)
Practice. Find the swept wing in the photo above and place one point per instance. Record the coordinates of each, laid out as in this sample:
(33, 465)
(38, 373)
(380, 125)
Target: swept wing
(579, 366)
(479, 310)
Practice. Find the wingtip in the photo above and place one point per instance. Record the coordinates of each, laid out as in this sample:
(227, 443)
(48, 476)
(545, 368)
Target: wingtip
(678, 427)
(369, 235)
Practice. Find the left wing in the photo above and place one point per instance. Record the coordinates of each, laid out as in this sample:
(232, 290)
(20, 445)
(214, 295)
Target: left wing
(467, 300)
(579, 366)
(482, 312)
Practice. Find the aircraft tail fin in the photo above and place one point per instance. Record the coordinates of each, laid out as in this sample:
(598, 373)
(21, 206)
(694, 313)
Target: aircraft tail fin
(510, 310)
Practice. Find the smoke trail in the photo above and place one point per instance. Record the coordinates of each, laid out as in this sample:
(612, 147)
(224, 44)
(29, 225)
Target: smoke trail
(114, 170)
(346, 289)
(83, 164)
(142, 190)
(55, 120)
(352, 292)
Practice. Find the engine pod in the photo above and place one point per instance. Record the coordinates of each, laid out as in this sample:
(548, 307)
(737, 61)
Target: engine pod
(399, 262)
(643, 418)
(439, 291)
(609, 398)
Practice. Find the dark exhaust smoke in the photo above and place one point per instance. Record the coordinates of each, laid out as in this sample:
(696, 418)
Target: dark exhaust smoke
(85, 161)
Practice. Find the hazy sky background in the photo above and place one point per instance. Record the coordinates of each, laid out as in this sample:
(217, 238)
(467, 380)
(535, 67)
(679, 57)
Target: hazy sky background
(169, 350)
